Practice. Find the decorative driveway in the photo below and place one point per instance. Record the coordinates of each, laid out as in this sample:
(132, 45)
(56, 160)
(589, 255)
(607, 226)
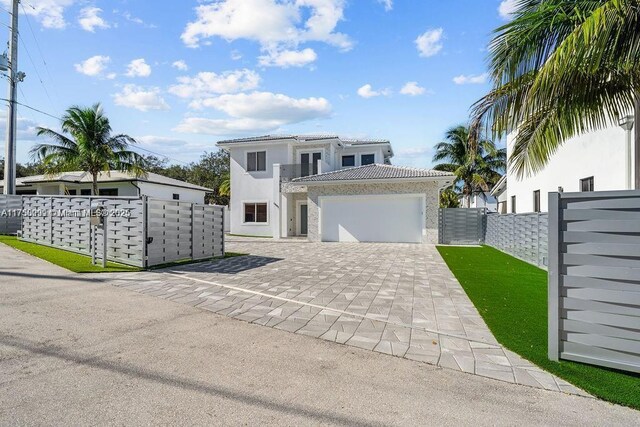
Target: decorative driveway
(398, 299)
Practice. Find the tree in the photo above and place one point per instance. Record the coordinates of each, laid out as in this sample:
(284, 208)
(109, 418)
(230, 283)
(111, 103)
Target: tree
(225, 185)
(449, 198)
(210, 172)
(561, 68)
(475, 161)
(86, 144)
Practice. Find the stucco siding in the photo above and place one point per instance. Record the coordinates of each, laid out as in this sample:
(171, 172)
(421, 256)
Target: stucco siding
(429, 189)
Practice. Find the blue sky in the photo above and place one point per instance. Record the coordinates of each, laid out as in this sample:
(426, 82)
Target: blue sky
(181, 75)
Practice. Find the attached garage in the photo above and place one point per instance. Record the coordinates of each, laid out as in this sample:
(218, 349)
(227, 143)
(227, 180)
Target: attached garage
(372, 218)
(374, 203)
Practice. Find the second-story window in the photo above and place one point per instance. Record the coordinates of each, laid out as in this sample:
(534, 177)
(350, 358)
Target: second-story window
(536, 201)
(257, 161)
(348, 161)
(513, 204)
(367, 159)
(586, 184)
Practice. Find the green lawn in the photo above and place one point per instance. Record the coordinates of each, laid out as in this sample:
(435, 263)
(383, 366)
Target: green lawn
(65, 259)
(81, 263)
(511, 296)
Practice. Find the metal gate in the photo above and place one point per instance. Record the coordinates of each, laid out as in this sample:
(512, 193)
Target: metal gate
(461, 226)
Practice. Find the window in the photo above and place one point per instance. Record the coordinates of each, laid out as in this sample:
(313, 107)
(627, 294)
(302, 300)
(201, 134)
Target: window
(513, 204)
(536, 201)
(108, 192)
(257, 161)
(309, 163)
(72, 192)
(85, 192)
(255, 212)
(348, 161)
(586, 184)
(176, 196)
(367, 159)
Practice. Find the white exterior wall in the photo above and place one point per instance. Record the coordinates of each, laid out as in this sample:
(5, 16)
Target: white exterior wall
(166, 192)
(255, 187)
(127, 189)
(599, 154)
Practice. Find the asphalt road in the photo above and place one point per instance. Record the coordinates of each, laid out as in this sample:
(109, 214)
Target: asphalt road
(80, 352)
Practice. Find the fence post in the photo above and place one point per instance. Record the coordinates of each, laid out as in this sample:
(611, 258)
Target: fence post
(192, 234)
(145, 237)
(555, 218)
(51, 220)
(222, 234)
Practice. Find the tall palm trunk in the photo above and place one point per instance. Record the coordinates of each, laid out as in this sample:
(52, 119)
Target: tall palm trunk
(95, 184)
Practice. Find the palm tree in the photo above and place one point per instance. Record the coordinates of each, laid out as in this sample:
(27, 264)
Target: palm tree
(86, 144)
(225, 185)
(561, 68)
(475, 161)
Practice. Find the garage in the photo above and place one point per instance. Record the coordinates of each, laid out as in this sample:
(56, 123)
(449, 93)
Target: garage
(372, 218)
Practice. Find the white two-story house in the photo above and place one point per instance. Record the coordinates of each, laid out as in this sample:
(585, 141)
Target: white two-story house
(330, 189)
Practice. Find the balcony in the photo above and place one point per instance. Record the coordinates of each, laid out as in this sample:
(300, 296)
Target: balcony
(299, 170)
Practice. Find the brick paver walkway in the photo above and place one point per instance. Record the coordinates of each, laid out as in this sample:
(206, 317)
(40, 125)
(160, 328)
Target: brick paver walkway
(399, 299)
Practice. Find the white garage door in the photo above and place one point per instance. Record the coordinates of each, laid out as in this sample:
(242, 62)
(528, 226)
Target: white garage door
(388, 218)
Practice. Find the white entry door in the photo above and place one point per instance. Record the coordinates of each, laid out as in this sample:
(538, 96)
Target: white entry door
(384, 218)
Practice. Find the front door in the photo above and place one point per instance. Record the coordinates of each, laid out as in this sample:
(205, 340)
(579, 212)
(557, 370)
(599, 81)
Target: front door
(304, 225)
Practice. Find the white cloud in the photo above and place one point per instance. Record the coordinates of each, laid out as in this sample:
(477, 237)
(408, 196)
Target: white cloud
(136, 20)
(236, 55)
(255, 112)
(430, 42)
(507, 8)
(143, 99)
(471, 79)
(180, 65)
(26, 127)
(388, 4)
(288, 58)
(50, 13)
(412, 89)
(367, 91)
(90, 19)
(138, 68)
(275, 25)
(94, 66)
(206, 84)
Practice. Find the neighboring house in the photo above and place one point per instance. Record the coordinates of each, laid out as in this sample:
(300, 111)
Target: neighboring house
(592, 162)
(499, 193)
(114, 183)
(481, 200)
(330, 189)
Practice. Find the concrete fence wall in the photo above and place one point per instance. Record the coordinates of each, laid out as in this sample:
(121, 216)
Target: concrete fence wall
(141, 232)
(594, 278)
(9, 214)
(523, 236)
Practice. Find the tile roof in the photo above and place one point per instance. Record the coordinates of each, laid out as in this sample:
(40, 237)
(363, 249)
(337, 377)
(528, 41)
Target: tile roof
(373, 172)
(84, 177)
(305, 138)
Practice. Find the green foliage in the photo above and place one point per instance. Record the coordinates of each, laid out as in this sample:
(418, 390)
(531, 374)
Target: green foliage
(475, 161)
(87, 144)
(69, 260)
(561, 68)
(449, 198)
(511, 296)
(211, 171)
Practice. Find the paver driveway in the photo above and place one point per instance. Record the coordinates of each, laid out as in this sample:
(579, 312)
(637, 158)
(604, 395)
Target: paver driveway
(399, 299)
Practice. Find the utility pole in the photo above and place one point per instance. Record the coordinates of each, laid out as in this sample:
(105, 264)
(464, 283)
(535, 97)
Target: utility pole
(14, 77)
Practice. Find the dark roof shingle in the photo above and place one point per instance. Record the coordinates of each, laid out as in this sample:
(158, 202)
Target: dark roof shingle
(373, 172)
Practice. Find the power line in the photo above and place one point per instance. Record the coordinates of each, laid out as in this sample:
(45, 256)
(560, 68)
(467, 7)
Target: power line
(46, 92)
(35, 39)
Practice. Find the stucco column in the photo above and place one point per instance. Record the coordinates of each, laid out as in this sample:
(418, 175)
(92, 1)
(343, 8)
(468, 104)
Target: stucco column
(276, 204)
